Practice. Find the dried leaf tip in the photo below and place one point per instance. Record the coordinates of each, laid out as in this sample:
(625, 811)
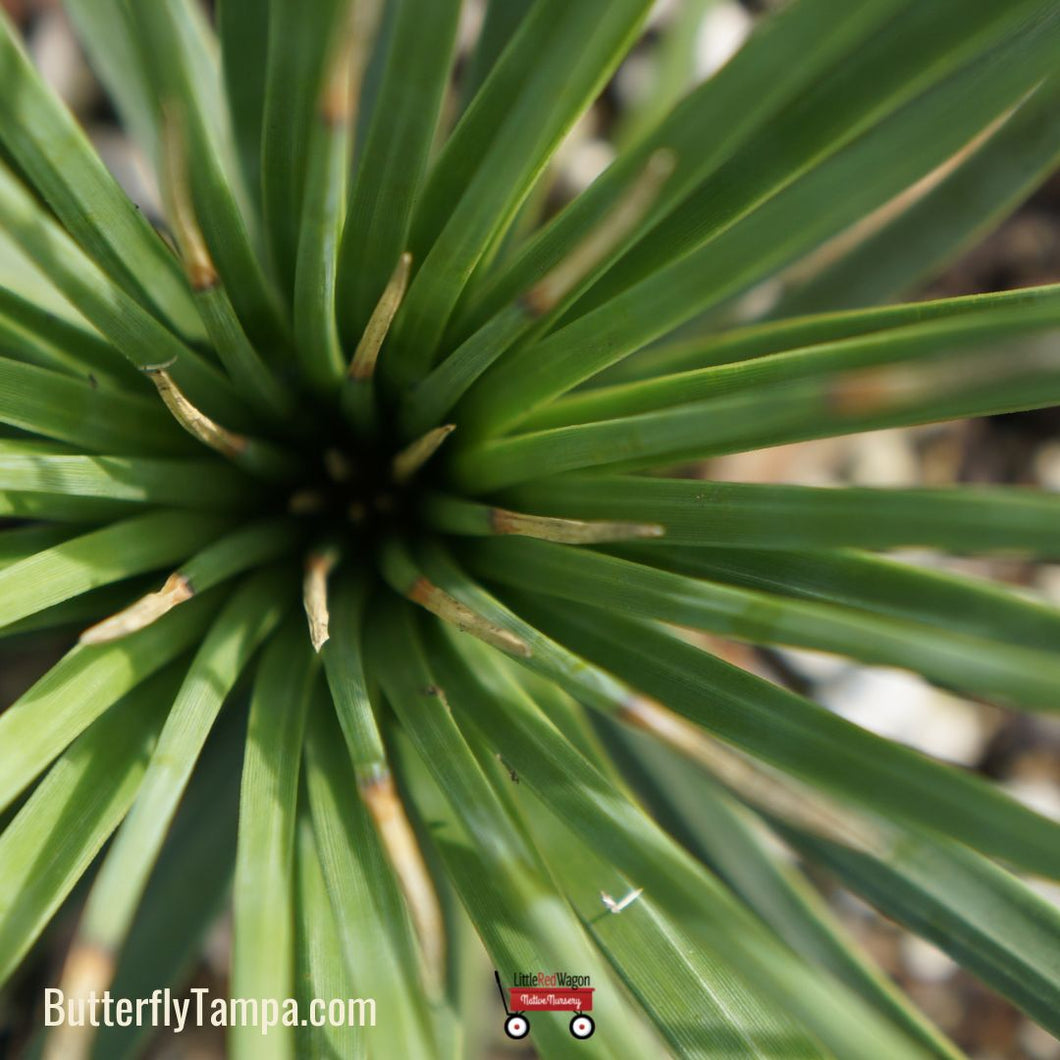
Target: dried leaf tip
(406, 858)
(318, 568)
(195, 422)
(362, 366)
(613, 229)
(449, 609)
(142, 613)
(414, 456)
(570, 531)
(180, 210)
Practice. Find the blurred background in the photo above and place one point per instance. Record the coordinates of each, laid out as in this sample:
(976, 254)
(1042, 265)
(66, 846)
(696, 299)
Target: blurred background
(686, 41)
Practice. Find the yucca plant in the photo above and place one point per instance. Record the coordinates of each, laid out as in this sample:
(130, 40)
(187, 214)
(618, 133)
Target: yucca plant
(353, 492)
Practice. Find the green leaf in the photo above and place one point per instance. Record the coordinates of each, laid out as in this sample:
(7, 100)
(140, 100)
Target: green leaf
(962, 210)
(737, 514)
(965, 605)
(894, 76)
(391, 168)
(780, 61)
(523, 922)
(243, 29)
(21, 542)
(179, 55)
(72, 410)
(70, 617)
(935, 342)
(1027, 677)
(187, 483)
(693, 997)
(57, 508)
(248, 618)
(299, 43)
(186, 893)
(106, 31)
(989, 921)
(258, 384)
(857, 179)
(142, 543)
(864, 399)
(344, 665)
(371, 922)
(55, 155)
(733, 842)
(558, 60)
(633, 845)
(263, 963)
(54, 837)
(777, 336)
(499, 24)
(29, 332)
(315, 325)
(321, 968)
(135, 333)
(802, 738)
(693, 1000)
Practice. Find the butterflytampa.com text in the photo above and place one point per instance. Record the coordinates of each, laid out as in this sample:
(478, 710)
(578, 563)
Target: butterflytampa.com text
(165, 1009)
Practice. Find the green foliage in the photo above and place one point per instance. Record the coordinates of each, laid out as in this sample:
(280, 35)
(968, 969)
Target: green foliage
(473, 743)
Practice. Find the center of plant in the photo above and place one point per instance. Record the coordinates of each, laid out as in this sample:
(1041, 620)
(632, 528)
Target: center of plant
(357, 486)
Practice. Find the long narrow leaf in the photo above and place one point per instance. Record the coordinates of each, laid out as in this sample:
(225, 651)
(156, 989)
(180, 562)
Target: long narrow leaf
(54, 153)
(134, 546)
(56, 834)
(752, 515)
(263, 964)
(248, 618)
(391, 167)
(803, 738)
(870, 171)
(634, 846)
(988, 920)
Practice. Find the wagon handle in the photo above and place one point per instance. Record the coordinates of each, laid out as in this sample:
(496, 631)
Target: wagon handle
(504, 1000)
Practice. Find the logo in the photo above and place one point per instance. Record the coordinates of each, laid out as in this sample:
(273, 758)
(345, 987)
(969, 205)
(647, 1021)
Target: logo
(547, 992)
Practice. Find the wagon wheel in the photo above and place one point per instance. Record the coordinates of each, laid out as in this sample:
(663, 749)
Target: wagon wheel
(517, 1026)
(582, 1026)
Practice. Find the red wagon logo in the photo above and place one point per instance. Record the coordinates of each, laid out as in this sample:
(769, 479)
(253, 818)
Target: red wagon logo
(523, 999)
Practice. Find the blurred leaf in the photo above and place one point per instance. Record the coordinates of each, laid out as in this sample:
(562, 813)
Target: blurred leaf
(805, 739)
(390, 170)
(992, 923)
(558, 60)
(955, 660)
(54, 837)
(963, 209)
(187, 889)
(248, 618)
(716, 828)
(137, 545)
(752, 515)
(965, 605)
(862, 176)
(53, 152)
